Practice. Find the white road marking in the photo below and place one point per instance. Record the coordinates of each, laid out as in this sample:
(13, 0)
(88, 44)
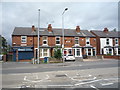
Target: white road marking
(61, 85)
(87, 82)
(36, 76)
(105, 84)
(94, 77)
(25, 78)
(89, 75)
(95, 81)
(47, 77)
(94, 87)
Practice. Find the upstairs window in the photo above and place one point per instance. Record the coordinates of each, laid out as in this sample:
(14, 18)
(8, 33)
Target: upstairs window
(76, 40)
(116, 40)
(44, 40)
(107, 41)
(87, 41)
(23, 39)
(57, 40)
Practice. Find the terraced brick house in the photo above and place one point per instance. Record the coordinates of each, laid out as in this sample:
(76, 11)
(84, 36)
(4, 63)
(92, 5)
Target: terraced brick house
(76, 41)
(108, 42)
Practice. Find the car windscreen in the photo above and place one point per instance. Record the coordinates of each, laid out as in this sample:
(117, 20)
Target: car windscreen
(70, 55)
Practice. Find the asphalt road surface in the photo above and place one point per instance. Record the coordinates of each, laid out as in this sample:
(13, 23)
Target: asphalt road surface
(69, 75)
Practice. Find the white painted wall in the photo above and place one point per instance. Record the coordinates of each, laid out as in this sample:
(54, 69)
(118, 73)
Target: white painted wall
(103, 43)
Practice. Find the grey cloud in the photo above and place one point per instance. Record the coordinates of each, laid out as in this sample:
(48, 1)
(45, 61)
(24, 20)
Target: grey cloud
(87, 15)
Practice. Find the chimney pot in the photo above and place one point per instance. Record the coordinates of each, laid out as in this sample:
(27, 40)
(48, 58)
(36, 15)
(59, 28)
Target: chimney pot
(77, 29)
(105, 30)
(33, 28)
(49, 28)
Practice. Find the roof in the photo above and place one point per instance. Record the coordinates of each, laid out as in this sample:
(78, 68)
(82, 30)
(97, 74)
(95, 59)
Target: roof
(106, 34)
(55, 32)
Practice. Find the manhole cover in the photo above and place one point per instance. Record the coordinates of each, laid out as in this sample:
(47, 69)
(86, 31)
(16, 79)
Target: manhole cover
(61, 75)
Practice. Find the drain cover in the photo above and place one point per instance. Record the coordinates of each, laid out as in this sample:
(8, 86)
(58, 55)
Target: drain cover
(61, 75)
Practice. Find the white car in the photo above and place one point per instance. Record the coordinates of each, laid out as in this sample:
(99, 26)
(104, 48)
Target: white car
(69, 57)
(1, 57)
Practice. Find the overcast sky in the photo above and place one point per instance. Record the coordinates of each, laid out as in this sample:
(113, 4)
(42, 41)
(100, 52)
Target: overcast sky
(88, 15)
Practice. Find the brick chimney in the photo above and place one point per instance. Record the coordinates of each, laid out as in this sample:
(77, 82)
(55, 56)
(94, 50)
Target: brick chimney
(49, 28)
(105, 30)
(33, 28)
(77, 29)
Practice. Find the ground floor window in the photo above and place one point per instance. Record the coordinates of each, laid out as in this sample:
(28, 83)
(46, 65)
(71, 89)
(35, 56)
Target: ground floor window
(44, 52)
(89, 52)
(70, 51)
(94, 52)
(110, 51)
(118, 51)
(78, 52)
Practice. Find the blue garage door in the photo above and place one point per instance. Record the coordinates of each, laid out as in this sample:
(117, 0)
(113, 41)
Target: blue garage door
(25, 55)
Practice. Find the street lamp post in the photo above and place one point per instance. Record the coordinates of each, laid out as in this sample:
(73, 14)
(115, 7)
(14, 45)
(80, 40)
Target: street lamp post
(38, 36)
(63, 32)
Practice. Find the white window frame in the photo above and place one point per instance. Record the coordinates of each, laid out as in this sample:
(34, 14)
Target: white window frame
(57, 40)
(23, 39)
(116, 40)
(76, 52)
(42, 53)
(45, 40)
(107, 41)
(87, 40)
(77, 38)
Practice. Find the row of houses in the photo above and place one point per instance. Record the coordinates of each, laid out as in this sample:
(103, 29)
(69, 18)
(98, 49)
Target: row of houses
(76, 41)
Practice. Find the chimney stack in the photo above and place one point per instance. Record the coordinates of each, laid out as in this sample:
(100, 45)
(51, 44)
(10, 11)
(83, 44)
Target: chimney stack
(33, 28)
(77, 29)
(49, 28)
(105, 30)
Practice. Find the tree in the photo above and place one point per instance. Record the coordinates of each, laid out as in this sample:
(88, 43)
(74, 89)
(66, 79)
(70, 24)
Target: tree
(4, 45)
(57, 53)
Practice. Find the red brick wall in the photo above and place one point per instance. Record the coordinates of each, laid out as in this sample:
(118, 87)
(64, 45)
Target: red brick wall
(93, 42)
(82, 41)
(112, 57)
(51, 41)
(69, 41)
(16, 39)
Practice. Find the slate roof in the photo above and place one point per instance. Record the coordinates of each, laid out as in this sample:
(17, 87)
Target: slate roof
(111, 34)
(55, 32)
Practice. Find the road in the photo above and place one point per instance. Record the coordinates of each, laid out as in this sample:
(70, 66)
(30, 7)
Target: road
(71, 75)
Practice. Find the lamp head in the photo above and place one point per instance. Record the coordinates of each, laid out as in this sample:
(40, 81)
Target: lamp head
(66, 9)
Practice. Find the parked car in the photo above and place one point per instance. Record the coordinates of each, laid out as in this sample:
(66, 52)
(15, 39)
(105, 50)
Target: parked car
(69, 57)
(1, 57)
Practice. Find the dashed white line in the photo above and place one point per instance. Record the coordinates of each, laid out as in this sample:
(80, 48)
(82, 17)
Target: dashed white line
(105, 84)
(87, 82)
(25, 78)
(94, 87)
(61, 85)
(47, 77)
